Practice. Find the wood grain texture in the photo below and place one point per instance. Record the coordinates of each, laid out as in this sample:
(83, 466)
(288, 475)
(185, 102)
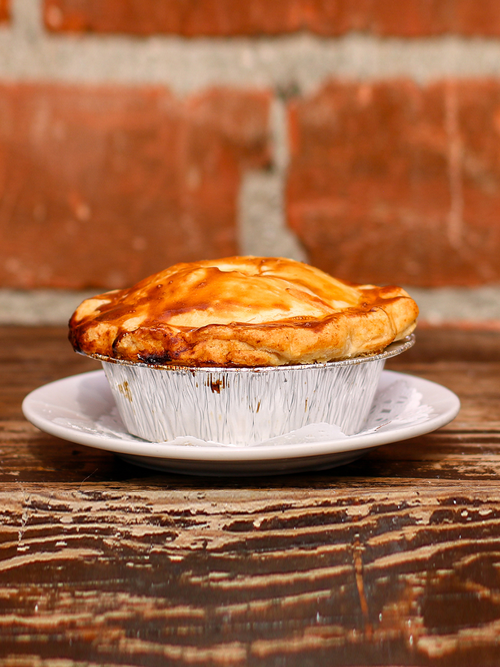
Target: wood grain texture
(391, 560)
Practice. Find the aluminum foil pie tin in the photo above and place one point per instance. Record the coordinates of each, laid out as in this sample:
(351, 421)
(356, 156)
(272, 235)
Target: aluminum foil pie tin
(244, 406)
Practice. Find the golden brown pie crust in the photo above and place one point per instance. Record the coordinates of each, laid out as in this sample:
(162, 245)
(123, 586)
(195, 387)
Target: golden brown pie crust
(242, 311)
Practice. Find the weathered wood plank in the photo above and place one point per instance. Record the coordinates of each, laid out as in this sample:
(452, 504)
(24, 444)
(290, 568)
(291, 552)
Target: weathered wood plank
(391, 560)
(288, 575)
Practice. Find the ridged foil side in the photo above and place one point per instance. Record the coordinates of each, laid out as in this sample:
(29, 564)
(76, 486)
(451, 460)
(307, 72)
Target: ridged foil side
(241, 406)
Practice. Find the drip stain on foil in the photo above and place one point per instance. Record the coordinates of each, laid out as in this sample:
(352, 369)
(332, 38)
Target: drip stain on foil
(216, 385)
(124, 390)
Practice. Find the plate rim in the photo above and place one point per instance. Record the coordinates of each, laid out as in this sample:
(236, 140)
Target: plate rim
(233, 454)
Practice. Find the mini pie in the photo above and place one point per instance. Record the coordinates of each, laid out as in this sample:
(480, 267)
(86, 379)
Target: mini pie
(241, 311)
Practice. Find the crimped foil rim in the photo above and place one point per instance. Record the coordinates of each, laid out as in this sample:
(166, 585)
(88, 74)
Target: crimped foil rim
(391, 350)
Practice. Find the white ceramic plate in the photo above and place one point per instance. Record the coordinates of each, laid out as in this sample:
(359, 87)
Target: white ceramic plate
(81, 409)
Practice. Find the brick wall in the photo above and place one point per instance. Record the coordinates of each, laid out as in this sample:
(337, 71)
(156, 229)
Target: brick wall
(360, 135)
(103, 183)
(229, 18)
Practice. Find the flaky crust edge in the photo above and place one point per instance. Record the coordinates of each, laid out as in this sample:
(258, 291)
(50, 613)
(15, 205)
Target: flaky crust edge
(345, 334)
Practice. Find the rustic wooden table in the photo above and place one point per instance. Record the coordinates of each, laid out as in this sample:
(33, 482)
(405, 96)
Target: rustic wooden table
(391, 560)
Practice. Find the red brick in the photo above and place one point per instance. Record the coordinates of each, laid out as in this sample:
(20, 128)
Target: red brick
(4, 10)
(183, 17)
(392, 183)
(410, 18)
(100, 186)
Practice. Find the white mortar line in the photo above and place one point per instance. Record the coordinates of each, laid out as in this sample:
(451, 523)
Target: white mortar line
(303, 61)
(39, 307)
(27, 20)
(279, 136)
(261, 216)
(457, 304)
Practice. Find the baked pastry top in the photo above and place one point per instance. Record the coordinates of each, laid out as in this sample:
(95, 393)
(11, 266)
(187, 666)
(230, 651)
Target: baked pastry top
(242, 311)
